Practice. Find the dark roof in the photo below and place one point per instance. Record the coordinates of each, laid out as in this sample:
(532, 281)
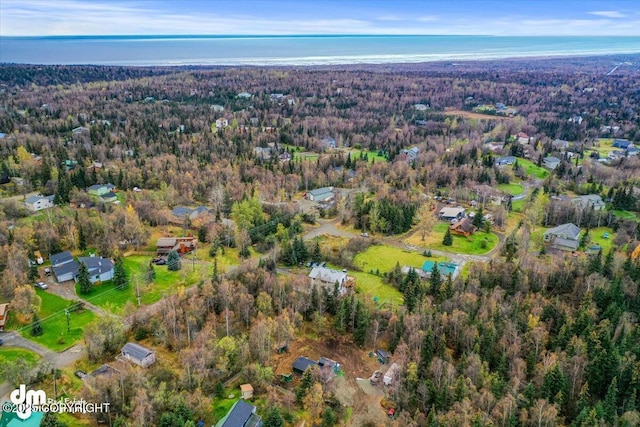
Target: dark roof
(61, 258)
(382, 353)
(136, 351)
(109, 195)
(240, 413)
(327, 362)
(302, 363)
(96, 265)
(181, 211)
(102, 370)
(70, 267)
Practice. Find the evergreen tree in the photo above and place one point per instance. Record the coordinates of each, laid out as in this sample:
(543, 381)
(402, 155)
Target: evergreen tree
(595, 263)
(120, 279)
(607, 266)
(273, 418)
(610, 401)
(448, 239)
(82, 239)
(84, 283)
(305, 385)
(173, 261)
(36, 326)
(478, 219)
(363, 322)
(328, 418)
(435, 281)
(316, 256)
(554, 385)
(33, 271)
(202, 234)
(426, 353)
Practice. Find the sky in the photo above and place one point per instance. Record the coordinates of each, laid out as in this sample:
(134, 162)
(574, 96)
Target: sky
(283, 17)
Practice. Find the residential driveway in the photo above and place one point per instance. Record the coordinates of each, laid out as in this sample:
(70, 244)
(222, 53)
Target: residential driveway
(328, 227)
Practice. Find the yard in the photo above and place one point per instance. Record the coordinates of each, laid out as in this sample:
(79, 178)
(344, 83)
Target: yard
(477, 244)
(532, 169)
(372, 286)
(166, 282)
(384, 258)
(513, 189)
(625, 215)
(596, 237)
(13, 353)
(54, 323)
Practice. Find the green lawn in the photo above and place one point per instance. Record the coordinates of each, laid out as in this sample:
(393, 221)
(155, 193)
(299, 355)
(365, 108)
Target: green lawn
(166, 282)
(625, 215)
(384, 258)
(513, 189)
(371, 155)
(14, 353)
(54, 323)
(596, 238)
(518, 205)
(372, 286)
(532, 169)
(472, 245)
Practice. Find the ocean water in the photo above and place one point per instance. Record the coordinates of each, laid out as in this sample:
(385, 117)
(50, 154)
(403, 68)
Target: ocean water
(297, 50)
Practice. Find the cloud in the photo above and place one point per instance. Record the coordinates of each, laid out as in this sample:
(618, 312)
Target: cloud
(608, 13)
(427, 19)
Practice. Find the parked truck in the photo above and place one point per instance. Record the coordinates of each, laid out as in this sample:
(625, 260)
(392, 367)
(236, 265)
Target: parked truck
(392, 372)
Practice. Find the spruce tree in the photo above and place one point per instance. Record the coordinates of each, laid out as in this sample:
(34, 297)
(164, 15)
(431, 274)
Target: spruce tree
(273, 418)
(173, 261)
(120, 279)
(316, 256)
(36, 326)
(448, 239)
(84, 283)
(435, 281)
(150, 274)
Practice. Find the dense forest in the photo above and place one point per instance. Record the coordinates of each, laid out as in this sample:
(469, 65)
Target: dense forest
(525, 335)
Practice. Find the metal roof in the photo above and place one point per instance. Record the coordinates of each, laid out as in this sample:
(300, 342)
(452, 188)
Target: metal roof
(328, 275)
(240, 413)
(302, 363)
(136, 351)
(61, 258)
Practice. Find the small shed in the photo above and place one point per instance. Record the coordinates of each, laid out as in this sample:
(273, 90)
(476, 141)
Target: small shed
(329, 364)
(282, 347)
(246, 390)
(382, 355)
(302, 363)
(138, 354)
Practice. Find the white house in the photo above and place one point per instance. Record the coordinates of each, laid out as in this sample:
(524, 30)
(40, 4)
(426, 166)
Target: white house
(141, 356)
(320, 194)
(39, 202)
(327, 278)
(590, 201)
(100, 269)
(222, 123)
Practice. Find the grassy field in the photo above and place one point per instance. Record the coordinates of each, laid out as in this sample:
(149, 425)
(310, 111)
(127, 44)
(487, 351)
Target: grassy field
(518, 205)
(384, 258)
(54, 323)
(625, 215)
(597, 238)
(513, 189)
(532, 169)
(11, 354)
(472, 245)
(371, 155)
(166, 282)
(372, 286)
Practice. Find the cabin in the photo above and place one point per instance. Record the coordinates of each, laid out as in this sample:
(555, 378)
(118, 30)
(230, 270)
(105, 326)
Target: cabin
(383, 356)
(241, 414)
(320, 194)
(550, 162)
(38, 203)
(246, 391)
(326, 363)
(101, 189)
(302, 363)
(564, 237)
(463, 228)
(182, 245)
(141, 356)
(4, 314)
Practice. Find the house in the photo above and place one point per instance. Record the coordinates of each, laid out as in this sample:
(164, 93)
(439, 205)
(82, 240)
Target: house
(4, 314)
(66, 271)
(326, 363)
(245, 95)
(246, 391)
(182, 245)
(276, 96)
(61, 258)
(448, 214)
(109, 197)
(421, 107)
(523, 138)
(328, 143)
(80, 130)
(101, 189)
(550, 162)
(391, 374)
(182, 212)
(577, 119)
(411, 153)
(445, 268)
(327, 278)
(100, 269)
(564, 237)
(241, 414)
(591, 201)
(504, 161)
(284, 157)
(138, 354)
(621, 143)
(217, 108)
(263, 153)
(560, 144)
(463, 228)
(383, 356)
(39, 202)
(222, 123)
(302, 363)
(320, 194)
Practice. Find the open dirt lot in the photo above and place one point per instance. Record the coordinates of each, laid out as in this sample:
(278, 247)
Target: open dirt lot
(355, 363)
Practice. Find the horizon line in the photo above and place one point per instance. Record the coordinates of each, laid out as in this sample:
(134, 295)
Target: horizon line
(300, 35)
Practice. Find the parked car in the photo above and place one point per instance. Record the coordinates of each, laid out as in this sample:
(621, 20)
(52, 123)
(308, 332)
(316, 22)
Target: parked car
(159, 261)
(375, 378)
(364, 234)
(80, 374)
(47, 271)
(41, 285)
